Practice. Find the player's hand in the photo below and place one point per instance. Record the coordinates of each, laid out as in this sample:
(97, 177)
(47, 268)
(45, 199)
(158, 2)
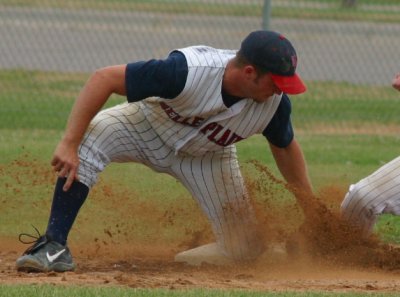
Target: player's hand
(65, 162)
(396, 82)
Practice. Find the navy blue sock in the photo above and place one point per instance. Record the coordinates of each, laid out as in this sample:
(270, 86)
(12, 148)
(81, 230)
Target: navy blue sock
(64, 209)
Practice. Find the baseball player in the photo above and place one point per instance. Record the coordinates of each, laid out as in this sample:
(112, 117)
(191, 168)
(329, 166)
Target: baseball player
(378, 193)
(183, 116)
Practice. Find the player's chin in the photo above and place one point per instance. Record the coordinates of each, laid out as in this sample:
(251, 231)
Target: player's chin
(261, 99)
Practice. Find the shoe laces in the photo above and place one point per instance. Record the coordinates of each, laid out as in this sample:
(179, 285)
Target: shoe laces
(36, 240)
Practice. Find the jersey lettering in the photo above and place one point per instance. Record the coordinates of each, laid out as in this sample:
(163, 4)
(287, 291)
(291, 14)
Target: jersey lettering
(213, 126)
(173, 115)
(227, 138)
(211, 130)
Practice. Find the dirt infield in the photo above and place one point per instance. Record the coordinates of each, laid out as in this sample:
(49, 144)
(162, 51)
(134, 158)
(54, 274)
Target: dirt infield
(324, 254)
(141, 268)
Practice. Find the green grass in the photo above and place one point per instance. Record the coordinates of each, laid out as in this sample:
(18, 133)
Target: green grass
(68, 291)
(345, 132)
(29, 97)
(344, 104)
(367, 10)
(339, 125)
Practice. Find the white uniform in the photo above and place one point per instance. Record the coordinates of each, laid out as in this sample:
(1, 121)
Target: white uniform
(190, 137)
(378, 193)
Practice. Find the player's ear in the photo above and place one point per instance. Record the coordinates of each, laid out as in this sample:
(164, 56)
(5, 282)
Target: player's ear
(249, 71)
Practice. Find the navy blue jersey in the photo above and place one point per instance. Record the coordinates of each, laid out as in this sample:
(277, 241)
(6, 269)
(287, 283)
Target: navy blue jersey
(166, 78)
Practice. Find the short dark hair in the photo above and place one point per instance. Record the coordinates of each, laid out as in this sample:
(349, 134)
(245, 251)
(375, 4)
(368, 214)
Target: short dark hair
(241, 61)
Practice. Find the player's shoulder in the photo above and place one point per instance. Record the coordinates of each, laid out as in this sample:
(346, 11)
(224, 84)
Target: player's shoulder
(205, 49)
(285, 99)
(204, 55)
(285, 105)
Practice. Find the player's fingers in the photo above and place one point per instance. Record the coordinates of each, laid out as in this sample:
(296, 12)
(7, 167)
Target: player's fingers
(72, 175)
(55, 160)
(63, 172)
(68, 183)
(58, 166)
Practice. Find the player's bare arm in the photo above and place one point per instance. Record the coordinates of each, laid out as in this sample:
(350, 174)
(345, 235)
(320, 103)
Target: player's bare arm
(90, 100)
(292, 165)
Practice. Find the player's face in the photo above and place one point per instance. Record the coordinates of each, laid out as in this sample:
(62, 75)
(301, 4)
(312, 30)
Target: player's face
(263, 88)
(259, 87)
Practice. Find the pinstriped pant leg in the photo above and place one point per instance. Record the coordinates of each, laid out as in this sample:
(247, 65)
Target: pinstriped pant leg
(216, 183)
(376, 194)
(120, 134)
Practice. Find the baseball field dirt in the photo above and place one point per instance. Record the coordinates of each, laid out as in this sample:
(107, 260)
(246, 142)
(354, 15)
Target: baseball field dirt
(322, 252)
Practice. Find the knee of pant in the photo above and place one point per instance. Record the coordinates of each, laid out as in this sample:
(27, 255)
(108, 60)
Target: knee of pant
(345, 205)
(88, 173)
(252, 251)
(358, 209)
(352, 200)
(244, 253)
(87, 180)
(243, 249)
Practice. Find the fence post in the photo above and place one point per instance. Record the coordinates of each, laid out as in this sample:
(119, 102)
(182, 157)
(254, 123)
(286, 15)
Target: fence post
(266, 15)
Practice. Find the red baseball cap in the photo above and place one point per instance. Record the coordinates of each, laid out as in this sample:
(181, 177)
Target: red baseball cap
(289, 84)
(272, 52)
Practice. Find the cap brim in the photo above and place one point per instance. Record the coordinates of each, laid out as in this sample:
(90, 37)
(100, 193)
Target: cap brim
(289, 84)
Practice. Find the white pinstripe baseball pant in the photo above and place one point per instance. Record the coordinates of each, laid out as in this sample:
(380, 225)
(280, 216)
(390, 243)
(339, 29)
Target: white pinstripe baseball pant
(378, 193)
(123, 134)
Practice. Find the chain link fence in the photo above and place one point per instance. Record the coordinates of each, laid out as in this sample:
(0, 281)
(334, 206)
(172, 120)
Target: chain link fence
(356, 42)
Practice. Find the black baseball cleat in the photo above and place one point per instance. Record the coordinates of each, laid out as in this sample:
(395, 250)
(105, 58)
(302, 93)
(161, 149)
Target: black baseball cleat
(45, 255)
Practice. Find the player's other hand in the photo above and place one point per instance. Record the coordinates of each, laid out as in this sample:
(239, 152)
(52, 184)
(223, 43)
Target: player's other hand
(65, 162)
(396, 82)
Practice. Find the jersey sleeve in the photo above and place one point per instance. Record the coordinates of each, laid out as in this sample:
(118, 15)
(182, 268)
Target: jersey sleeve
(279, 131)
(162, 78)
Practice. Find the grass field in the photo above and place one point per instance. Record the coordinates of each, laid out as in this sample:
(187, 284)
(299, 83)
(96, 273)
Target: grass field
(50, 291)
(346, 132)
